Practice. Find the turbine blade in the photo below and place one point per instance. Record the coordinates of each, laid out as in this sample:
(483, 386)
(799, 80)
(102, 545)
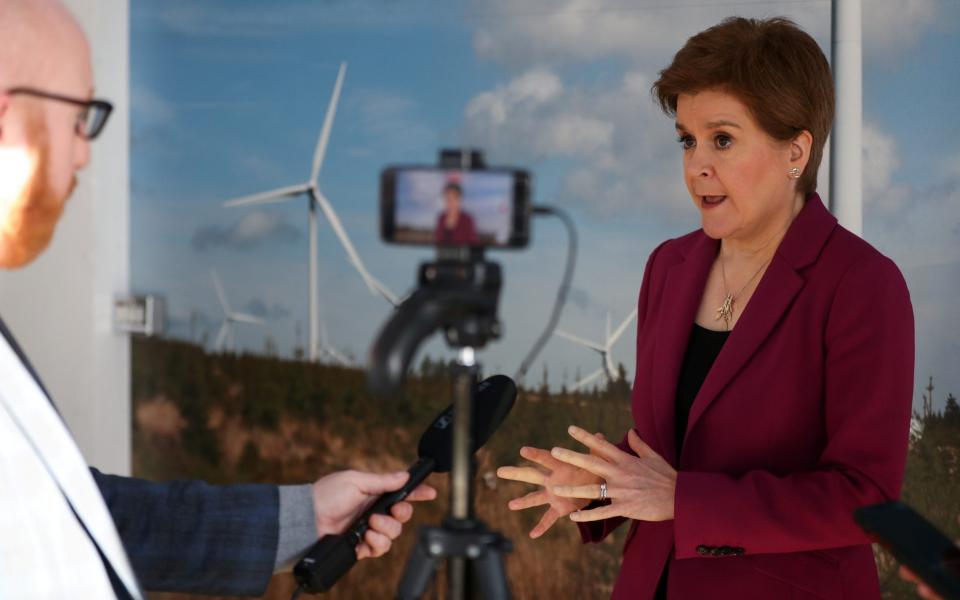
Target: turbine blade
(610, 368)
(385, 291)
(579, 340)
(327, 126)
(245, 318)
(323, 333)
(221, 336)
(587, 379)
(402, 299)
(621, 328)
(354, 258)
(337, 356)
(223, 297)
(273, 196)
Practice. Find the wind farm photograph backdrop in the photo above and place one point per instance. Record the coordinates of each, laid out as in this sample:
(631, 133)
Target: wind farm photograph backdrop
(258, 135)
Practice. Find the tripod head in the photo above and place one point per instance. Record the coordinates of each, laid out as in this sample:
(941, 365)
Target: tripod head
(460, 298)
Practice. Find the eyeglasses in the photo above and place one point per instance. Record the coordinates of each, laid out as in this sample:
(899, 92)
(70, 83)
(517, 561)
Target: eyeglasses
(90, 120)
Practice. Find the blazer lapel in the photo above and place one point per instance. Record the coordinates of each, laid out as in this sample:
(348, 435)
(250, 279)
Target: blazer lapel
(774, 294)
(683, 290)
(35, 415)
(8, 335)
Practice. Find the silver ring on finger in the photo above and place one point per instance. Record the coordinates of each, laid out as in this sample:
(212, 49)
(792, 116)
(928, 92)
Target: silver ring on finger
(603, 491)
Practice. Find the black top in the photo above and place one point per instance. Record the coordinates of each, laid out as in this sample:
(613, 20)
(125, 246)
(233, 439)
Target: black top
(702, 350)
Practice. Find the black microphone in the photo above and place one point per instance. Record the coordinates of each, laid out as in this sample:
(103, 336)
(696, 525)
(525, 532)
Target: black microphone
(331, 557)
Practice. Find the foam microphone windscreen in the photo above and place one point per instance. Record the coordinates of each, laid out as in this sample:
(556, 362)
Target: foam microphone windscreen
(492, 402)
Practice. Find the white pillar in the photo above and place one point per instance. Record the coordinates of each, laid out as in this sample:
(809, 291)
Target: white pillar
(846, 145)
(59, 307)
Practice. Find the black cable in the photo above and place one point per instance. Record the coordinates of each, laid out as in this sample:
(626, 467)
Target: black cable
(296, 592)
(561, 292)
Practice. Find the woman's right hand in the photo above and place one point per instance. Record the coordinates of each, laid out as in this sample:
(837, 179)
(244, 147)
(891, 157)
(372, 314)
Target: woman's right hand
(548, 472)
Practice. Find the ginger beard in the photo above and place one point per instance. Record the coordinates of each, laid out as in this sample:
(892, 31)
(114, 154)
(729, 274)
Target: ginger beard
(27, 223)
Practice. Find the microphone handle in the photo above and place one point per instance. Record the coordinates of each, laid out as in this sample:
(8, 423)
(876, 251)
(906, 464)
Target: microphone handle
(331, 557)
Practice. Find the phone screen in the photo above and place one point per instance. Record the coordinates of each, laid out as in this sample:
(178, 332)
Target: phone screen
(452, 207)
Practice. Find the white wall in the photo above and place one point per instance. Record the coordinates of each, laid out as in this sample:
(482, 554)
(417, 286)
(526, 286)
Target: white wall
(59, 307)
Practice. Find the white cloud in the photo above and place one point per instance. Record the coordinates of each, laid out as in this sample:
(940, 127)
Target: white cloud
(249, 232)
(880, 162)
(257, 225)
(924, 229)
(890, 26)
(527, 92)
(263, 168)
(952, 166)
(531, 32)
(390, 120)
(149, 108)
(521, 33)
(913, 225)
(532, 116)
(615, 143)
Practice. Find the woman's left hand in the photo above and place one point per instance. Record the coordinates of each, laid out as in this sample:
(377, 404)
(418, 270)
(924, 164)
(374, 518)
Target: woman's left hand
(639, 487)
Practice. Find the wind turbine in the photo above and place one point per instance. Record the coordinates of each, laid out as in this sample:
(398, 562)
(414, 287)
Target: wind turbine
(315, 198)
(607, 369)
(230, 316)
(329, 351)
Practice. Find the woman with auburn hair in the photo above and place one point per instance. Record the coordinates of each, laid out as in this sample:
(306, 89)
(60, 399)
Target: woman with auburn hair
(774, 372)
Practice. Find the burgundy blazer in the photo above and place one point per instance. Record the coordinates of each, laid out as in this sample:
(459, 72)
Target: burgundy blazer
(803, 418)
(463, 234)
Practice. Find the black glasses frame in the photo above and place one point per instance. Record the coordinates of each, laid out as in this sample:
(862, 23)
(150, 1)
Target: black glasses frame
(90, 121)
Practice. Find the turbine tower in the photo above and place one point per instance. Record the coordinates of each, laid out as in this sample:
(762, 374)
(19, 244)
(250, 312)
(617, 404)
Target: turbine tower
(230, 317)
(315, 197)
(607, 369)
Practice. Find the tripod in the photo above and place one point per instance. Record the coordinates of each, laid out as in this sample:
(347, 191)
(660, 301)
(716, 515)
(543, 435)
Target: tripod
(474, 553)
(457, 294)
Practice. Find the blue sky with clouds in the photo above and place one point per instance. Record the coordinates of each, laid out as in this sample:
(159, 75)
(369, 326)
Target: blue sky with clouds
(228, 99)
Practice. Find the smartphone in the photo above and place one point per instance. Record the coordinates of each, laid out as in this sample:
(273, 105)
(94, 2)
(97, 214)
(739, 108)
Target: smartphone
(916, 543)
(430, 206)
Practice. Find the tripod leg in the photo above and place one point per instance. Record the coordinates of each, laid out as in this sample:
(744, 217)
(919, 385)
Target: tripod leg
(457, 579)
(490, 575)
(420, 567)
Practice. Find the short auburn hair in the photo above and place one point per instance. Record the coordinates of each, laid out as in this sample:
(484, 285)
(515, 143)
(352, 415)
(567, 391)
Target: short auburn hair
(453, 186)
(772, 66)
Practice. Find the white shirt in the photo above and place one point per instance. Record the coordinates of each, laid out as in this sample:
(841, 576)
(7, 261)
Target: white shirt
(44, 551)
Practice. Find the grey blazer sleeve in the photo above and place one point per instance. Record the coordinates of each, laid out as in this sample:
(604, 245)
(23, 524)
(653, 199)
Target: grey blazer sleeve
(190, 536)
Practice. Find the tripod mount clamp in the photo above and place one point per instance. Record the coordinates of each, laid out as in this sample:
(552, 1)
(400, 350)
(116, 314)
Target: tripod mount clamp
(459, 298)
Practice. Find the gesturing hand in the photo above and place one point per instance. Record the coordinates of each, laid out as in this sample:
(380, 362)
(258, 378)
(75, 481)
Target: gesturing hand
(339, 498)
(549, 473)
(639, 487)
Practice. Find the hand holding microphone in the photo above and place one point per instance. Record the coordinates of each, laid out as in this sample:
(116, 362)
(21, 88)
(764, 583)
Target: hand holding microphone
(339, 498)
(335, 554)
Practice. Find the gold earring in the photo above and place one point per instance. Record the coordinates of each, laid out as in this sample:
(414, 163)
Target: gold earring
(794, 173)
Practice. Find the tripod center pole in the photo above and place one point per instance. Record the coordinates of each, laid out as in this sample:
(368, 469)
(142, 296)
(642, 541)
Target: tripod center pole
(462, 472)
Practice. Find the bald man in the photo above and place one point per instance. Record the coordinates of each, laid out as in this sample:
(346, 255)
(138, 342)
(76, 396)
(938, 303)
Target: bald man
(68, 531)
